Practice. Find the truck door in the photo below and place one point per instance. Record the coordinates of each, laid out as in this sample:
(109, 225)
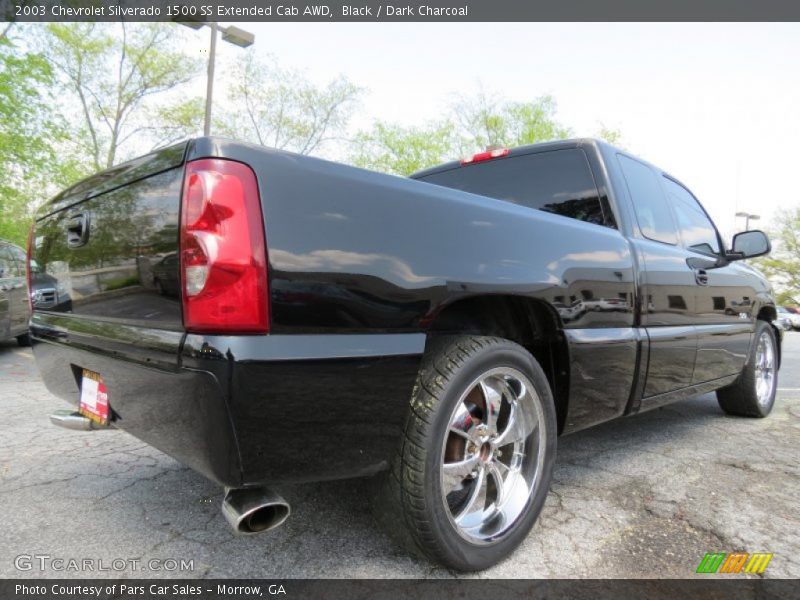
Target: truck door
(667, 283)
(723, 295)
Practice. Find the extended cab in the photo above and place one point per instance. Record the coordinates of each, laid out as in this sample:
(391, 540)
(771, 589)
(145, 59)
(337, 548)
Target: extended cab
(266, 317)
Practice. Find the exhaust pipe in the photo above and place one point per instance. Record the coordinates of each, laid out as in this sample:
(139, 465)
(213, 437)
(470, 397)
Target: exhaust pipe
(74, 420)
(253, 510)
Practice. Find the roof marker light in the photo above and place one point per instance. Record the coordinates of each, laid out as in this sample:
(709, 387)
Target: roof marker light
(488, 155)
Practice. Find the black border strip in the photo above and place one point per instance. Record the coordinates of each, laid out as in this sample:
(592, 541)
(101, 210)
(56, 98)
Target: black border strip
(734, 586)
(378, 10)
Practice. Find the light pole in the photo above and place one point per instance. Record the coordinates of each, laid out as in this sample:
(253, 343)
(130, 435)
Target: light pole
(747, 218)
(232, 35)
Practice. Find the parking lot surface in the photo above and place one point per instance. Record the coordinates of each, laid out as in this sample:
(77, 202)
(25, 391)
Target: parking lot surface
(645, 496)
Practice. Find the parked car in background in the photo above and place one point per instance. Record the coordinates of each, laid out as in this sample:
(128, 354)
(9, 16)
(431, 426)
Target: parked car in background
(15, 307)
(47, 292)
(782, 323)
(789, 315)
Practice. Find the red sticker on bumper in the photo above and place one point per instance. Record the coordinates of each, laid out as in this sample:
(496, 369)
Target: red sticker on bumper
(94, 398)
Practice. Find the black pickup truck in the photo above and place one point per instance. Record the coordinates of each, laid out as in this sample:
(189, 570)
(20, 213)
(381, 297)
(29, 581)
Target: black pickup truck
(265, 317)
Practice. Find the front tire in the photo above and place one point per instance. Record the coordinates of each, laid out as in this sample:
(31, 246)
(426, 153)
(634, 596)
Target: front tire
(753, 393)
(476, 460)
(24, 340)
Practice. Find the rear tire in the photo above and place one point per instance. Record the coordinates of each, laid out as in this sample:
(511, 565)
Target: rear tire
(476, 459)
(753, 393)
(24, 340)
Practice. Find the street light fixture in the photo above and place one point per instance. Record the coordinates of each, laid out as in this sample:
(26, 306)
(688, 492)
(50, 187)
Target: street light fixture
(747, 218)
(238, 37)
(232, 35)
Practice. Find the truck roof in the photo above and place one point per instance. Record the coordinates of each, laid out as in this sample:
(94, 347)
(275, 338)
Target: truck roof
(518, 151)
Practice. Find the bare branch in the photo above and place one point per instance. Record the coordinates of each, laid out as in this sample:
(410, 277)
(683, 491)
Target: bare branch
(6, 29)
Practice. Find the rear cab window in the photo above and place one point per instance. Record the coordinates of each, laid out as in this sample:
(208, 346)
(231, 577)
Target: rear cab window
(555, 181)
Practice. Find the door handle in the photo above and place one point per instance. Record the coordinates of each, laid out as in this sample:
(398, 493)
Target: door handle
(77, 230)
(701, 277)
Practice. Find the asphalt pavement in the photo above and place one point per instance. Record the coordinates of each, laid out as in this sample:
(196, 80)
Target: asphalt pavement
(644, 496)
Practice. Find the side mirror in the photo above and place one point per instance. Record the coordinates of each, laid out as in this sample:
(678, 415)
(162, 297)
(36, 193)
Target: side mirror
(749, 244)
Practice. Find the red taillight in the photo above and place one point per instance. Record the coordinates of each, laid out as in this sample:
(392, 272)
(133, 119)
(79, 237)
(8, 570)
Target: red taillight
(223, 252)
(488, 155)
(28, 274)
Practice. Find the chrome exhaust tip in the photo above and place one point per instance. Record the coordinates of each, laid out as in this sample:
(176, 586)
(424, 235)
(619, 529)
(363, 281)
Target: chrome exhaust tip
(254, 510)
(69, 419)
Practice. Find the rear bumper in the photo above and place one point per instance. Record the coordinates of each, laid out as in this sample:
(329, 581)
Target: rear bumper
(243, 410)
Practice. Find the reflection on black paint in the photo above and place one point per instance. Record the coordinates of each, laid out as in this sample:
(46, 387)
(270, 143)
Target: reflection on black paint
(166, 275)
(583, 209)
(133, 235)
(676, 302)
(320, 300)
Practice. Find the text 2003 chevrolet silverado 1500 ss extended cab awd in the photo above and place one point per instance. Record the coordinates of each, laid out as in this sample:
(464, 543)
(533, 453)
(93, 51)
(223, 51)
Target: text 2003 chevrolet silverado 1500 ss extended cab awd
(266, 317)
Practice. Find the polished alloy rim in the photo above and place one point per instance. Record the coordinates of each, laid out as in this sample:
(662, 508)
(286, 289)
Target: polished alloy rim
(492, 455)
(765, 368)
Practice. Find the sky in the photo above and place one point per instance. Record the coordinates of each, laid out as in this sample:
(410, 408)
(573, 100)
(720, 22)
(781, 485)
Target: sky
(715, 105)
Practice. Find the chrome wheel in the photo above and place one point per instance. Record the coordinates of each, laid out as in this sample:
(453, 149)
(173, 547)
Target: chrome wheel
(492, 455)
(765, 368)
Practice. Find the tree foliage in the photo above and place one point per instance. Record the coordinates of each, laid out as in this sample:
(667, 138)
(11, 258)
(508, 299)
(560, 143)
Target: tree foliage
(77, 98)
(782, 265)
(281, 108)
(401, 150)
(110, 74)
(471, 125)
(28, 131)
(484, 121)
(612, 136)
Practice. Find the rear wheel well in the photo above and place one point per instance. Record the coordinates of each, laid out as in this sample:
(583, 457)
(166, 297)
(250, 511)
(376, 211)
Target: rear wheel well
(530, 323)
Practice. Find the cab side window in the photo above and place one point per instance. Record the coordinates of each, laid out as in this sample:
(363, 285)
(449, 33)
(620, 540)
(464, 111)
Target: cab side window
(697, 230)
(652, 211)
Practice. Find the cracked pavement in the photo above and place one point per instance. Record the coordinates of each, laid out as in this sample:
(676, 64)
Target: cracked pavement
(644, 496)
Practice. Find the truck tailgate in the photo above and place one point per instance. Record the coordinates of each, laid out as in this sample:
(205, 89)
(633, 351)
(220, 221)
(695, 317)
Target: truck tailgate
(111, 242)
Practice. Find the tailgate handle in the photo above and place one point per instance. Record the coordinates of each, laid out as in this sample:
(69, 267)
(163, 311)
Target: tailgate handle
(77, 230)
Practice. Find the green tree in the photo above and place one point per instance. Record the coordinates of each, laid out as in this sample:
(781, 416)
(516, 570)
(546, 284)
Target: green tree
(178, 119)
(472, 125)
(403, 150)
(484, 121)
(612, 136)
(782, 265)
(28, 132)
(281, 108)
(111, 71)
